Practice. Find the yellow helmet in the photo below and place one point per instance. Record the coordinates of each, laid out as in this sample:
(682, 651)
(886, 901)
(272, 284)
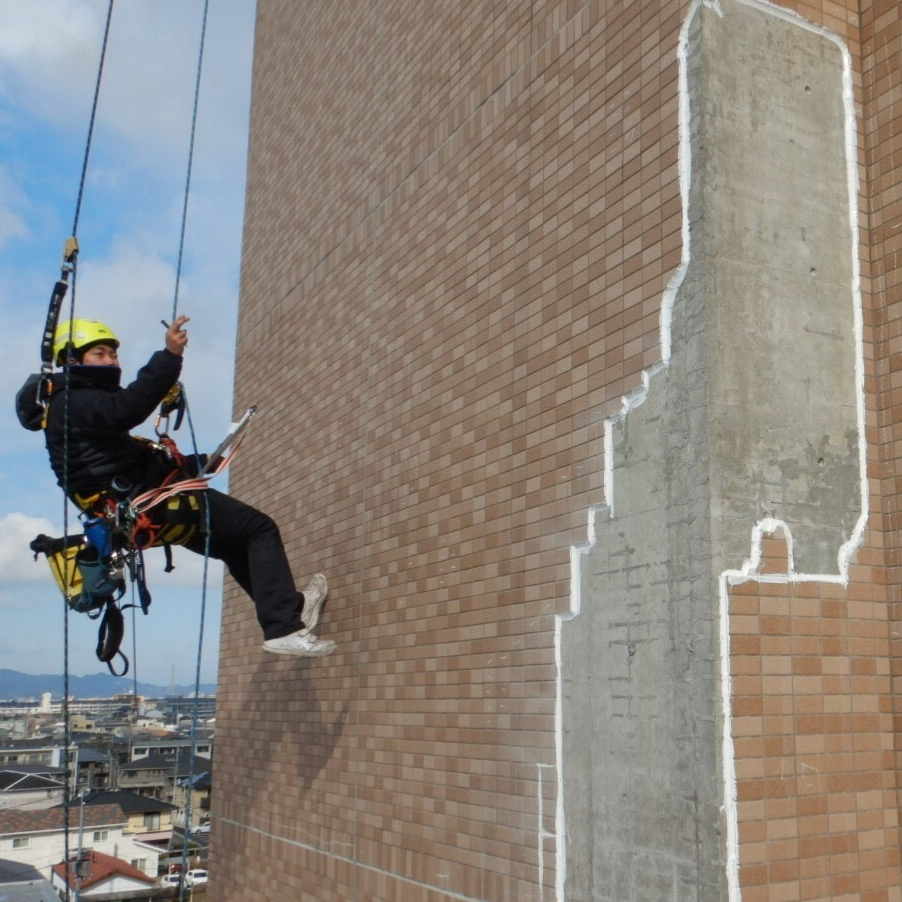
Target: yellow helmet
(84, 332)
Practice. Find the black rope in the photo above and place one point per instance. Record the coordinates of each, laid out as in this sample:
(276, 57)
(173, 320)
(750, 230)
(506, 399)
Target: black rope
(84, 165)
(175, 304)
(134, 644)
(200, 63)
(67, 729)
(81, 188)
(192, 764)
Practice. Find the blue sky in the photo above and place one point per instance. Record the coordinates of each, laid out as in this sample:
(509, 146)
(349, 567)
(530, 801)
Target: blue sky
(128, 233)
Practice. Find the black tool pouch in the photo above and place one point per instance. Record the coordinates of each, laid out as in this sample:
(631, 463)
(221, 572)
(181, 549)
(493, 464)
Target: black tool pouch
(29, 407)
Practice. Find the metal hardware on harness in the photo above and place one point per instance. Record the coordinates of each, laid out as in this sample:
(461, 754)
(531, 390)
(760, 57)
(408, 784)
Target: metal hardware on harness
(174, 402)
(67, 268)
(34, 396)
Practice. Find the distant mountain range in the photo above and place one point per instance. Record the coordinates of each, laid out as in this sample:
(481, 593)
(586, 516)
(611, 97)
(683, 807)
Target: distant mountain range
(16, 685)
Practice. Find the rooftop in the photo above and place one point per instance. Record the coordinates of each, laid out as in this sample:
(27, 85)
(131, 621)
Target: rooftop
(100, 867)
(50, 820)
(129, 802)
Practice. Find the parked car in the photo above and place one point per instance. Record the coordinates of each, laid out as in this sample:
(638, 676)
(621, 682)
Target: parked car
(195, 877)
(202, 828)
(171, 880)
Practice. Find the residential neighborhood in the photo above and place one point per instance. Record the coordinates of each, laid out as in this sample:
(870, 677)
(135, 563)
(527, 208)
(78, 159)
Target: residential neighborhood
(123, 813)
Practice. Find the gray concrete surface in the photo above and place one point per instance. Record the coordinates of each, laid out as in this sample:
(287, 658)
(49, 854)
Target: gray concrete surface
(754, 418)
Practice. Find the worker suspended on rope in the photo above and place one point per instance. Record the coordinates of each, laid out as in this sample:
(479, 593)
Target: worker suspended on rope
(96, 459)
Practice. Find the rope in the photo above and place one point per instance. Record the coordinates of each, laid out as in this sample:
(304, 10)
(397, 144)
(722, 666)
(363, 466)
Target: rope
(200, 62)
(67, 788)
(203, 605)
(134, 653)
(200, 645)
(155, 500)
(66, 726)
(67, 730)
(152, 497)
(84, 165)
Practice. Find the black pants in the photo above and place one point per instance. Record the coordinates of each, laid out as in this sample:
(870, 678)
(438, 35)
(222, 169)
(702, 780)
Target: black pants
(249, 544)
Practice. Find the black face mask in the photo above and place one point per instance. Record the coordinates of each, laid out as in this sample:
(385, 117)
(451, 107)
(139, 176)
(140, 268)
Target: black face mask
(81, 376)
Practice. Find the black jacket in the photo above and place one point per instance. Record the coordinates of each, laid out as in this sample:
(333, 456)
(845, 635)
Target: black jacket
(92, 415)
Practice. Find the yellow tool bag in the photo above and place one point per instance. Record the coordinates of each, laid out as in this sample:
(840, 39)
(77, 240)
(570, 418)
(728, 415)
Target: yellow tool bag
(86, 578)
(62, 557)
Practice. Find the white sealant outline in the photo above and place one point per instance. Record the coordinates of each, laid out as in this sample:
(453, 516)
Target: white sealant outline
(767, 526)
(348, 859)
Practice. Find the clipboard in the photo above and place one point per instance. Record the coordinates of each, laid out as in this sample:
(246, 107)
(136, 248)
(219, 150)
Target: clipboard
(235, 431)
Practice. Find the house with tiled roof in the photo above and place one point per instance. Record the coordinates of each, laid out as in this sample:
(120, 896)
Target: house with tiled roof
(38, 838)
(95, 874)
(148, 820)
(88, 766)
(30, 786)
(160, 777)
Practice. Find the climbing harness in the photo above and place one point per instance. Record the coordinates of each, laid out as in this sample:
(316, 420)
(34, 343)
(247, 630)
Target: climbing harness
(118, 525)
(90, 569)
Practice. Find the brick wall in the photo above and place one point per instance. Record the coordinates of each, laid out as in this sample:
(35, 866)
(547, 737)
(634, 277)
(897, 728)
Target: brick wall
(460, 222)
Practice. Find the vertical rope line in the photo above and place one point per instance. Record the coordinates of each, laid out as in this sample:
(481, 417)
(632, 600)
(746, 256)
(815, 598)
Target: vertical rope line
(134, 647)
(192, 763)
(67, 731)
(175, 305)
(66, 724)
(200, 63)
(84, 165)
(66, 642)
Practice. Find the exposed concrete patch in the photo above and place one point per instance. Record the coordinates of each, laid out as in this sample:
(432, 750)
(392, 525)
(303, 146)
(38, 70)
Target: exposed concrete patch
(753, 422)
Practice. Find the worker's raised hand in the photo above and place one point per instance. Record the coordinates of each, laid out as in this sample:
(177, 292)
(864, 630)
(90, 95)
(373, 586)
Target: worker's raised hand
(176, 336)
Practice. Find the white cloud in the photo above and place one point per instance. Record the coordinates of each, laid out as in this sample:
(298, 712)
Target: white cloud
(13, 209)
(50, 51)
(42, 38)
(11, 226)
(188, 572)
(132, 290)
(17, 564)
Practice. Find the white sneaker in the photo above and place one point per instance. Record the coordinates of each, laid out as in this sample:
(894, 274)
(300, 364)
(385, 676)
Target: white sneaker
(300, 644)
(314, 596)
